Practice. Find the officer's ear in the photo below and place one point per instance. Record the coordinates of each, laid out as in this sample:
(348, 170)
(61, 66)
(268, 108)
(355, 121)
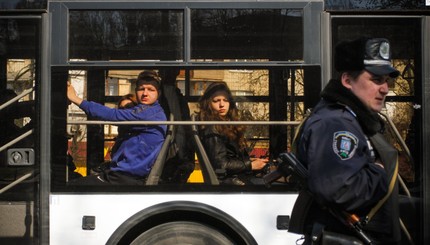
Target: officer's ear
(345, 79)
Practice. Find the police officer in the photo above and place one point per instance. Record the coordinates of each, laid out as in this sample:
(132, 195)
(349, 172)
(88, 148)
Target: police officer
(350, 164)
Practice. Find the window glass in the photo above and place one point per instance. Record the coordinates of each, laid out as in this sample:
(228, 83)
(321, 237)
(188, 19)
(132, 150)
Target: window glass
(402, 103)
(242, 82)
(402, 115)
(399, 32)
(247, 34)
(126, 35)
(20, 72)
(18, 38)
(261, 94)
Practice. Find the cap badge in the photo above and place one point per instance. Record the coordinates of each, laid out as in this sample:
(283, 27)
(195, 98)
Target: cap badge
(384, 50)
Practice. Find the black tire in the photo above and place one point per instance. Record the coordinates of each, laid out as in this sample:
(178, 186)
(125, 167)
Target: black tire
(181, 233)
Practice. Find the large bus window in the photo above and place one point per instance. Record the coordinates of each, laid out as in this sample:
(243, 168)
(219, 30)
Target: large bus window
(247, 34)
(241, 35)
(403, 103)
(89, 145)
(126, 35)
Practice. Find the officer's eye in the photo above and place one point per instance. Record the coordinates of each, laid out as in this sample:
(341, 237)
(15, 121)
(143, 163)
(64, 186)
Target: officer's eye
(379, 80)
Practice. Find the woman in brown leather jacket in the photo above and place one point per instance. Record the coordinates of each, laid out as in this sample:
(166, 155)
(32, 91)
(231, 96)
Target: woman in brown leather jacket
(225, 144)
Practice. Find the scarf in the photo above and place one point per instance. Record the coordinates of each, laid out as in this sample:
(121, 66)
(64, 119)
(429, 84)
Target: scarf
(370, 121)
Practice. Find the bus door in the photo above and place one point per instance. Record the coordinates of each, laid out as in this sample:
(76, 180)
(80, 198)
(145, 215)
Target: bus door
(405, 105)
(20, 76)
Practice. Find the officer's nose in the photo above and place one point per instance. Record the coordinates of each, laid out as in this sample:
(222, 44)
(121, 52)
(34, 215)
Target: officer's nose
(383, 89)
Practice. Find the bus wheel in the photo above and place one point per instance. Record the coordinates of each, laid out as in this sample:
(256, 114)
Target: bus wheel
(182, 232)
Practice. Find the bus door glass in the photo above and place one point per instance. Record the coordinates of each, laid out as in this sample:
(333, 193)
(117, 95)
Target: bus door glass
(403, 110)
(19, 152)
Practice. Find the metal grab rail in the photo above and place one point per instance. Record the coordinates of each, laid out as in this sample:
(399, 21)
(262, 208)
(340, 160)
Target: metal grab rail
(21, 179)
(89, 122)
(208, 172)
(16, 98)
(401, 182)
(6, 104)
(398, 136)
(10, 143)
(404, 148)
(157, 168)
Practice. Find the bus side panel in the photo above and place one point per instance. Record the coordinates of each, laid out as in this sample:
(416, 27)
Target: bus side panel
(67, 212)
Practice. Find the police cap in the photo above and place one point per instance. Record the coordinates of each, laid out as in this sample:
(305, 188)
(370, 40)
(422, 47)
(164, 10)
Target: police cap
(365, 53)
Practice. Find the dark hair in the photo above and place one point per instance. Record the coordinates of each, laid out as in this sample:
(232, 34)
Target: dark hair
(148, 77)
(130, 97)
(232, 132)
(353, 74)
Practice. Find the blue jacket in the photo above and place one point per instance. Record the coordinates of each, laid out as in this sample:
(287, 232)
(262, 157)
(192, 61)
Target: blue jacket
(139, 147)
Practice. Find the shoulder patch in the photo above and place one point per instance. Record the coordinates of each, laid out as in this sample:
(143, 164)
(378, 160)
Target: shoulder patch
(344, 144)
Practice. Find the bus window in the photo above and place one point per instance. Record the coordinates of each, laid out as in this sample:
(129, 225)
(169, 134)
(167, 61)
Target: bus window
(247, 34)
(402, 101)
(159, 34)
(255, 98)
(126, 35)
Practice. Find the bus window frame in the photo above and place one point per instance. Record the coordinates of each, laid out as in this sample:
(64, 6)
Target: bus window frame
(59, 46)
(60, 101)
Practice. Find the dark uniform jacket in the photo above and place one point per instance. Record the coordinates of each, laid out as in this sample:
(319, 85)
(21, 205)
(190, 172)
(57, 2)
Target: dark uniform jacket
(339, 144)
(226, 156)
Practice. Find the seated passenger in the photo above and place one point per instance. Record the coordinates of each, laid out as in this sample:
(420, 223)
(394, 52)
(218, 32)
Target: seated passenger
(140, 146)
(126, 101)
(225, 144)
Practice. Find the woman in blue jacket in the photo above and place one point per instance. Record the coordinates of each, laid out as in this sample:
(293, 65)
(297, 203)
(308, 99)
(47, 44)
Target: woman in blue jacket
(139, 147)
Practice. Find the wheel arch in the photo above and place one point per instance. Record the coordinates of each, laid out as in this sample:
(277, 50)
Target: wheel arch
(180, 211)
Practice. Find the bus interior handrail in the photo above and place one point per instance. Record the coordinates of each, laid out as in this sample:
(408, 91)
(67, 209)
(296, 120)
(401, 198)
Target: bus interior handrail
(206, 166)
(398, 136)
(16, 98)
(14, 183)
(17, 139)
(96, 122)
(404, 147)
(157, 168)
(10, 102)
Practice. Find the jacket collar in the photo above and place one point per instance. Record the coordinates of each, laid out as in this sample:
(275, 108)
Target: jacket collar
(370, 121)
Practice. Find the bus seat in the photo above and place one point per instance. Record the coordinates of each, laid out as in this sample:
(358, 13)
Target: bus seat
(208, 172)
(180, 161)
(157, 169)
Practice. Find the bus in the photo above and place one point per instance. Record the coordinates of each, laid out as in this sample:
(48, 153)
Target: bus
(275, 55)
